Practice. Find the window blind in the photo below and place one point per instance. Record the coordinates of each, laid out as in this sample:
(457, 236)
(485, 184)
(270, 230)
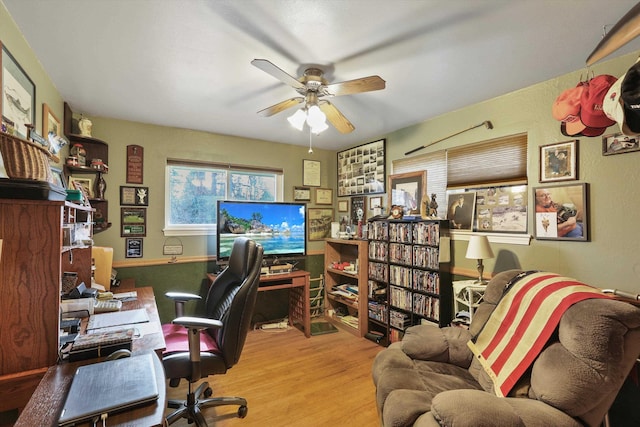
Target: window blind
(500, 160)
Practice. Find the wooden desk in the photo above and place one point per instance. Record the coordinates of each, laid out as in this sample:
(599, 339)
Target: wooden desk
(299, 296)
(46, 402)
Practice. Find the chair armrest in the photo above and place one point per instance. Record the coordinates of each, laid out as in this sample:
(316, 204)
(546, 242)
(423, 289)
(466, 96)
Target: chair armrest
(448, 345)
(182, 296)
(446, 408)
(198, 323)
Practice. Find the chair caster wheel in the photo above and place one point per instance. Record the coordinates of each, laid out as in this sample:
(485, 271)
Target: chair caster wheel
(208, 392)
(242, 411)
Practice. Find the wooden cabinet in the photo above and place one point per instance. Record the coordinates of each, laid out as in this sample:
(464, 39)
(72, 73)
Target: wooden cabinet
(32, 259)
(409, 276)
(340, 309)
(98, 151)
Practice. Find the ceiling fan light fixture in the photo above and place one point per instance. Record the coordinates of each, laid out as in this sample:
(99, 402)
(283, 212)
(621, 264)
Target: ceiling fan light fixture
(319, 128)
(297, 119)
(315, 117)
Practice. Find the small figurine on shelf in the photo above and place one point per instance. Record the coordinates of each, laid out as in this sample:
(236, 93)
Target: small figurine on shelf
(85, 126)
(101, 187)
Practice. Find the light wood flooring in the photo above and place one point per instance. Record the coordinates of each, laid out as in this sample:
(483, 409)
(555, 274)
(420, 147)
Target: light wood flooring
(290, 380)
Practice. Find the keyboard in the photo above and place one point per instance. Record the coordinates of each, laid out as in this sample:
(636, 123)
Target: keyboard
(105, 306)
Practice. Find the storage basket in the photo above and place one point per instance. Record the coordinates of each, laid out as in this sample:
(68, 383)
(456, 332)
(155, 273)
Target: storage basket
(24, 159)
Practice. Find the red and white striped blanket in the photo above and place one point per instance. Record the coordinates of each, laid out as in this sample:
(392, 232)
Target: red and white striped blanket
(522, 322)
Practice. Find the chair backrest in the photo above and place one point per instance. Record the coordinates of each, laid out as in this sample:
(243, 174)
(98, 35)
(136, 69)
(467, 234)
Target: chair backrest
(232, 297)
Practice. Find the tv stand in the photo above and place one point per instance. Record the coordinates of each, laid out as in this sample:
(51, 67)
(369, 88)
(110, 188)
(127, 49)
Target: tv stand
(297, 281)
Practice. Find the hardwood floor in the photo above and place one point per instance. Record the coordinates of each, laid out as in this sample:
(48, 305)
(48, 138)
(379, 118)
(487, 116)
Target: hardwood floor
(290, 380)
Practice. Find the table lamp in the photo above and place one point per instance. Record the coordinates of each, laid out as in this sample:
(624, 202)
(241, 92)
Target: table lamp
(479, 249)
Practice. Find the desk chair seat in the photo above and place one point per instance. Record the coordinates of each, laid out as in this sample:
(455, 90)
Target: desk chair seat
(198, 347)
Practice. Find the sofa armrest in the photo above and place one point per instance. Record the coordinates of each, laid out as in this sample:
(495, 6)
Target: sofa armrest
(449, 345)
(463, 408)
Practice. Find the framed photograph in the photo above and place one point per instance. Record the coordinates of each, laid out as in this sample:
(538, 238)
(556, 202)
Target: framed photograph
(375, 202)
(358, 209)
(407, 189)
(361, 170)
(133, 247)
(311, 173)
(302, 194)
(50, 122)
(559, 162)
(561, 212)
(319, 227)
(134, 196)
(133, 221)
(619, 143)
(343, 206)
(324, 196)
(58, 178)
(83, 184)
(18, 104)
(461, 209)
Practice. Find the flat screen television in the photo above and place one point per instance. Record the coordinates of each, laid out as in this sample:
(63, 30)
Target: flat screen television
(280, 227)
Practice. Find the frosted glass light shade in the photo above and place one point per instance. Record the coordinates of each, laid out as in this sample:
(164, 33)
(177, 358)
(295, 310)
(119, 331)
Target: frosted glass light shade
(297, 119)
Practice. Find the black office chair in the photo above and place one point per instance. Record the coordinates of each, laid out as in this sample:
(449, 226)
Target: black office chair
(193, 355)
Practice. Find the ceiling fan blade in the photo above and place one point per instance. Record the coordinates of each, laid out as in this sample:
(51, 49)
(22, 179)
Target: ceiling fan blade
(625, 30)
(365, 84)
(269, 68)
(336, 118)
(280, 106)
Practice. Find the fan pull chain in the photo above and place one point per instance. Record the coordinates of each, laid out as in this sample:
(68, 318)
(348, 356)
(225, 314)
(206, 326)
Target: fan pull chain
(310, 135)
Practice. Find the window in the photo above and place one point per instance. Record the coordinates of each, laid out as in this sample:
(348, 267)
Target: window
(193, 189)
(499, 163)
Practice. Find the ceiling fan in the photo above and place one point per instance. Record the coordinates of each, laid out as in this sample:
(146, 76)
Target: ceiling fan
(314, 88)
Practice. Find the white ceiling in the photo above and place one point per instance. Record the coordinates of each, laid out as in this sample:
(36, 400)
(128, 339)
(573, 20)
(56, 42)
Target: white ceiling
(186, 63)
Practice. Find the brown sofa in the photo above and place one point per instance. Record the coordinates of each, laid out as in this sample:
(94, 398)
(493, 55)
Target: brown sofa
(431, 378)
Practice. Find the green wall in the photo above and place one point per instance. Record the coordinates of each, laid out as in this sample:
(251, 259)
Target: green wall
(609, 260)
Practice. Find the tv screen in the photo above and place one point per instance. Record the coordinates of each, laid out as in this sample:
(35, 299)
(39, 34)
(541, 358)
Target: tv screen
(280, 228)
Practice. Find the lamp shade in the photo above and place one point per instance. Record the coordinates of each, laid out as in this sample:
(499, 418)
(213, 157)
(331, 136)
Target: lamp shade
(479, 248)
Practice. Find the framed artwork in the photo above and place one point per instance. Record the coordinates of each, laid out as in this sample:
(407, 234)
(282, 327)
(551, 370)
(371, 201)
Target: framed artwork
(407, 189)
(83, 184)
(18, 106)
(461, 209)
(561, 212)
(375, 202)
(319, 226)
(358, 209)
(343, 206)
(619, 143)
(361, 170)
(134, 222)
(134, 196)
(501, 209)
(311, 173)
(133, 247)
(58, 178)
(302, 194)
(324, 196)
(50, 122)
(559, 162)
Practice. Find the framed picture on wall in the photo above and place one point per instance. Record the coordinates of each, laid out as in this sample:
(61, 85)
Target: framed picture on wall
(302, 194)
(133, 247)
(619, 143)
(361, 170)
(324, 196)
(561, 212)
(134, 222)
(559, 162)
(18, 105)
(319, 227)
